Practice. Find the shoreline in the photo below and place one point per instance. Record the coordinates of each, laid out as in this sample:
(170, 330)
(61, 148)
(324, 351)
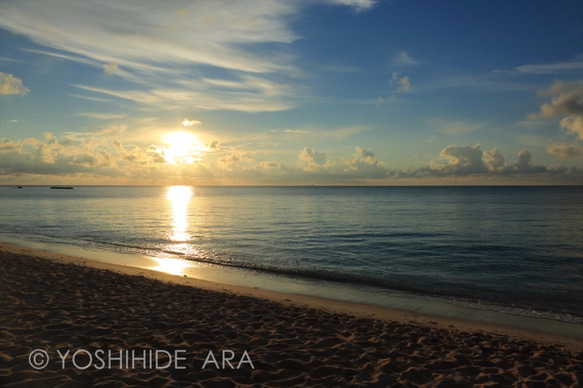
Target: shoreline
(309, 301)
(311, 292)
(57, 303)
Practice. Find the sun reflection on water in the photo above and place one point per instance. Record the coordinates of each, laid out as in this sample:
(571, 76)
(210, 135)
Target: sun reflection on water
(172, 266)
(179, 197)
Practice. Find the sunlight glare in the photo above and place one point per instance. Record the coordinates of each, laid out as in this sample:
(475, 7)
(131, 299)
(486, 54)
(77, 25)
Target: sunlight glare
(183, 148)
(171, 266)
(179, 197)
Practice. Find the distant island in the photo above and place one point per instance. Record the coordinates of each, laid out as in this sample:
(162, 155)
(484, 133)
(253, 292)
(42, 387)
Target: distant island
(61, 188)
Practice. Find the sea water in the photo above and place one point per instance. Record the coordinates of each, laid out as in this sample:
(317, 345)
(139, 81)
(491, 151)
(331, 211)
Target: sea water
(517, 249)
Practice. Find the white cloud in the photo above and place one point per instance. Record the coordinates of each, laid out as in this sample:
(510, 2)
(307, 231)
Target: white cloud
(235, 161)
(573, 124)
(91, 159)
(195, 94)
(567, 100)
(97, 159)
(575, 64)
(402, 59)
(150, 34)
(462, 159)
(357, 5)
(311, 160)
(204, 54)
(10, 84)
(186, 122)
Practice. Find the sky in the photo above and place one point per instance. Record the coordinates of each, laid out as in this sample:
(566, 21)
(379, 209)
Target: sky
(306, 92)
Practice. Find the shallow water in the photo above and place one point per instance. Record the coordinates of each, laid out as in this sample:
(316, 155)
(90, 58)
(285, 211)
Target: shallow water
(517, 249)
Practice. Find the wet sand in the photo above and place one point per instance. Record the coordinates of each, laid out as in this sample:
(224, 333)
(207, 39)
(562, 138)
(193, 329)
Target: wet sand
(109, 317)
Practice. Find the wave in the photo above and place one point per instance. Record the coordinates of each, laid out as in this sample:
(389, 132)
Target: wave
(368, 282)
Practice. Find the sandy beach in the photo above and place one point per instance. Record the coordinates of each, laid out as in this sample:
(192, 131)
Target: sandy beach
(72, 322)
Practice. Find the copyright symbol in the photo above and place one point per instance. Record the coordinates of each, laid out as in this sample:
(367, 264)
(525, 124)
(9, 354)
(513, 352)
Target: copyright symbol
(38, 359)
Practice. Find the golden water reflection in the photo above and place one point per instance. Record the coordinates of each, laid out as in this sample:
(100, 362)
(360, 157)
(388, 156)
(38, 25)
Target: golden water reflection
(171, 266)
(179, 197)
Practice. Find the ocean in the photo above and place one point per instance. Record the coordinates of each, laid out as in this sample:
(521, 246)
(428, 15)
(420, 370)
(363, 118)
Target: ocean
(514, 249)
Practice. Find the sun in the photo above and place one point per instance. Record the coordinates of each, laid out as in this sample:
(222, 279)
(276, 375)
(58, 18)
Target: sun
(182, 148)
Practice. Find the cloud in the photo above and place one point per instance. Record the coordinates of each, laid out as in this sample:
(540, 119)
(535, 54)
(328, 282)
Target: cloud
(149, 35)
(484, 83)
(567, 101)
(311, 160)
(466, 161)
(156, 47)
(102, 116)
(565, 150)
(357, 5)
(214, 145)
(402, 59)
(7, 145)
(361, 166)
(111, 68)
(462, 159)
(231, 162)
(575, 64)
(401, 83)
(97, 159)
(89, 161)
(190, 122)
(454, 127)
(288, 130)
(10, 84)
(204, 96)
(203, 54)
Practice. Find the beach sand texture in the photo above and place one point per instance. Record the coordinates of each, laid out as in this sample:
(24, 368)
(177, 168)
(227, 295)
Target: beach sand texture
(62, 306)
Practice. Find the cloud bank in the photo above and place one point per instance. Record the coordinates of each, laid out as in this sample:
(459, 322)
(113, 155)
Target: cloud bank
(110, 162)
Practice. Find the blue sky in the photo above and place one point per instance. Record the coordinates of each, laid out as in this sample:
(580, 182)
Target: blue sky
(291, 92)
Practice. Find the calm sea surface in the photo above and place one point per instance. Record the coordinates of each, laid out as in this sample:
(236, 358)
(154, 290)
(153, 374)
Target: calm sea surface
(512, 247)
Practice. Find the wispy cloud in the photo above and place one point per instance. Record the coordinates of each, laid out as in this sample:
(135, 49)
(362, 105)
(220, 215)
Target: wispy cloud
(575, 64)
(288, 130)
(484, 82)
(252, 95)
(149, 33)
(68, 57)
(101, 116)
(454, 126)
(356, 5)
